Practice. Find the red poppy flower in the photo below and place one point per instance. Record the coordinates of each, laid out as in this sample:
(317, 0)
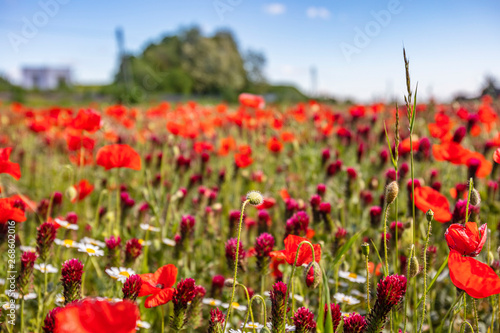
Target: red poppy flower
(118, 156)
(496, 156)
(452, 152)
(76, 142)
(243, 160)
(88, 120)
(427, 198)
(83, 189)
(8, 212)
(466, 240)
(267, 203)
(159, 285)
(405, 148)
(92, 316)
(7, 166)
(253, 101)
(305, 254)
(274, 145)
(478, 280)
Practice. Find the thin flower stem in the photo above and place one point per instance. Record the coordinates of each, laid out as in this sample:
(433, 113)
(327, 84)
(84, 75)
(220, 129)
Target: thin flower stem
(22, 314)
(465, 313)
(367, 285)
(228, 315)
(425, 275)
(290, 278)
(249, 305)
(385, 239)
(263, 302)
(476, 319)
(406, 298)
(471, 186)
(162, 314)
(84, 274)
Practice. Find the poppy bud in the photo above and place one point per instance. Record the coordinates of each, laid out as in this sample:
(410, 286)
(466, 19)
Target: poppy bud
(228, 283)
(255, 198)
(429, 215)
(312, 275)
(414, 266)
(71, 193)
(391, 192)
(365, 248)
(475, 198)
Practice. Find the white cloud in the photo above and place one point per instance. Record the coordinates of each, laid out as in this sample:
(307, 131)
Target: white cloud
(275, 8)
(318, 12)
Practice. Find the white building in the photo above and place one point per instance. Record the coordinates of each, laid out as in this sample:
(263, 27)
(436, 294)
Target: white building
(45, 78)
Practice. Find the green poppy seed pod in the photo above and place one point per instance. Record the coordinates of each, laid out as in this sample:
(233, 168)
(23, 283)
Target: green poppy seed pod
(312, 275)
(391, 192)
(255, 198)
(71, 193)
(265, 329)
(365, 248)
(414, 266)
(429, 215)
(475, 198)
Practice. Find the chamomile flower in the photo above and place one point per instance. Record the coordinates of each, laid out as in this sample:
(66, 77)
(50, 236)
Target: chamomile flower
(358, 293)
(235, 306)
(251, 325)
(120, 273)
(168, 241)
(45, 268)
(27, 248)
(66, 224)
(342, 298)
(91, 250)
(26, 297)
(144, 243)
(353, 277)
(211, 301)
(91, 241)
(67, 243)
(109, 299)
(148, 227)
(2, 282)
(288, 328)
(142, 324)
(8, 305)
(59, 300)
(340, 283)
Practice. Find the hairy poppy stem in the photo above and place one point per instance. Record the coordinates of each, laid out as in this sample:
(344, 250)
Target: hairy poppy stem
(235, 264)
(424, 305)
(290, 278)
(406, 298)
(385, 239)
(249, 305)
(264, 307)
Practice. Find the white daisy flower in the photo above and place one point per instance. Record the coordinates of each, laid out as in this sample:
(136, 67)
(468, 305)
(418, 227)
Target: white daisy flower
(288, 328)
(66, 224)
(91, 250)
(232, 330)
(2, 282)
(353, 277)
(148, 227)
(251, 325)
(59, 300)
(27, 248)
(67, 243)
(120, 273)
(109, 299)
(8, 305)
(211, 301)
(168, 241)
(235, 306)
(91, 241)
(340, 283)
(26, 297)
(339, 297)
(298, 298)
(358, 293)
(142, 324)
(45, 268)
(144, 243)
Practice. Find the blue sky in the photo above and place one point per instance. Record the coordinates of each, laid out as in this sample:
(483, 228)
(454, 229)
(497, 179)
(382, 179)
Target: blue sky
(452, 44)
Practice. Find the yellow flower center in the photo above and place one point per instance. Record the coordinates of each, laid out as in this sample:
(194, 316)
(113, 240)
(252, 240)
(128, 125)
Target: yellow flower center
(353, 275)
(141, 241)
(68, 242)
(212, 302)
(90, 251)
(235, 305)
(126, 274)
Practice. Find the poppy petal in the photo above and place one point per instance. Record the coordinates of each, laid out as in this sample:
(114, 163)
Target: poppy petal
(478, 280)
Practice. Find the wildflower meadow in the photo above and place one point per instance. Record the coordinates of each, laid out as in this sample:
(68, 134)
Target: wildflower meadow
(251, 217)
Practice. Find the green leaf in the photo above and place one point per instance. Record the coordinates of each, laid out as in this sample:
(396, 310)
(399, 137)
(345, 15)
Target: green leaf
(379, 258)
(345, 247)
